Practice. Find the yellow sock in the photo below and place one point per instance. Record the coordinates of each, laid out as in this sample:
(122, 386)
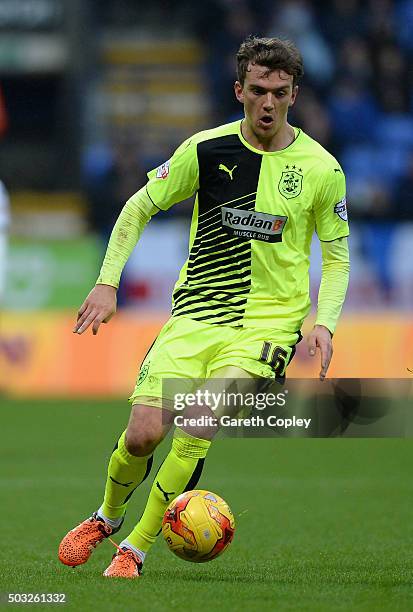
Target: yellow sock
(179, 472)
(125, 473)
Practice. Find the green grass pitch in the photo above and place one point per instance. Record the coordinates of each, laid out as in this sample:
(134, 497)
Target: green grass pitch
(321, 524)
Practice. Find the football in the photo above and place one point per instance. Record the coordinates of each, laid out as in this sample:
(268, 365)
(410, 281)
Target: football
(198, 526)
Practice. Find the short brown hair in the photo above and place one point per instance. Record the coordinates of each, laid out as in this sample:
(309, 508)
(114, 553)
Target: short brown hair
(273, 53)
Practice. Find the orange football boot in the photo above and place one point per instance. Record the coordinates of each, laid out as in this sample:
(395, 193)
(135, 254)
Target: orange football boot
(125, 564)
(77, 545)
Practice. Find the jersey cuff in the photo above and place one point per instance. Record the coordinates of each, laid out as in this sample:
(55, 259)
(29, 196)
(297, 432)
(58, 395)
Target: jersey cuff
(328, 324)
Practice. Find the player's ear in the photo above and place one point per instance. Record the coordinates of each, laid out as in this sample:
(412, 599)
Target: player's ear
(239, 92)
(294, 95)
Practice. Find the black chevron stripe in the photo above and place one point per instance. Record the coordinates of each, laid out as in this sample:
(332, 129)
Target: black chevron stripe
(237, 203)
(205, 314)
(205, 291)
(211, 251)
(218, 237)
(232, 296)
(238, 287)
(236, 299)
(231, 254)
(207, 261)
(200, 239)
(214, 243)
(225, 263)
(197, 294)
(187, 302)
(217, 215)
(187, 308)
(223, 275)
(185, 289)
(189, 299)
(207, 235)
(221, 238)
(207, 223)
(223, 282)
(211, 270)
(223, 321)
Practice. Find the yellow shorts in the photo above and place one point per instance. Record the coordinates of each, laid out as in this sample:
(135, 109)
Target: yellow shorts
(187, 349)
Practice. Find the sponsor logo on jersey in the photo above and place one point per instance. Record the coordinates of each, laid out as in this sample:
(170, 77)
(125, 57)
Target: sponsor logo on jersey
(163, 170)
(291, 182)
(253, 224)
(341, 209)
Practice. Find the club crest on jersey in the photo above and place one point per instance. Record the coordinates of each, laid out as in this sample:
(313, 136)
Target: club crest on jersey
(143, 373)
(341, 209)
(251, 224)
(291, 182)
(162, 171)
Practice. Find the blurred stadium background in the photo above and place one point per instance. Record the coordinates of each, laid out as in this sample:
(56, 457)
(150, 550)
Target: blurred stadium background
(93, 93)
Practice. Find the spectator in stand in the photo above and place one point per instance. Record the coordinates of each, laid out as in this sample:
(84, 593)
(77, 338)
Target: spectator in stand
(295, 19)
(381, 24)
(312, 117)
(354, 60)
(353, 111)
(404, 20)
(342, 19)
(237, 19)
(109, 174)
(391, 68)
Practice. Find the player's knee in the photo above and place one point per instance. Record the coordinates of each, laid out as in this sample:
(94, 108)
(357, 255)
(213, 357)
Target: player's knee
(144, 432)
(141, 443)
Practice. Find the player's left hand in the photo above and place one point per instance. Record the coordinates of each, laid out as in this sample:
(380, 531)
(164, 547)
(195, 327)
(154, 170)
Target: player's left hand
(320, 338)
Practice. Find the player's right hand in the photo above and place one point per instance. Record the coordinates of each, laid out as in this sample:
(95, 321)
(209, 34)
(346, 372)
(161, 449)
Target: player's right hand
(99, 307)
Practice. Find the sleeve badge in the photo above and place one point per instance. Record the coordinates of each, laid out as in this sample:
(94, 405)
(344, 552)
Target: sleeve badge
(341, 209)
(162, 171)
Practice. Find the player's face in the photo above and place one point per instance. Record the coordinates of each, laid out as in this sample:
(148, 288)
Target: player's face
(266, 96)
